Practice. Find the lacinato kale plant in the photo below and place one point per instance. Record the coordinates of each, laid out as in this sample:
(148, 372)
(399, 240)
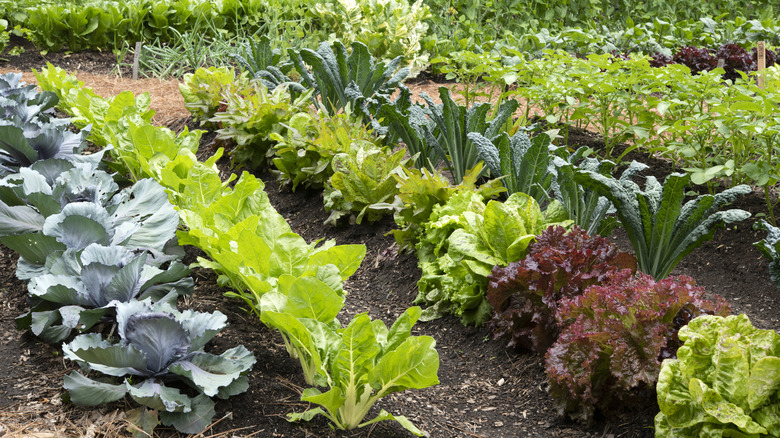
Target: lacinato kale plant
(526, 294)
(615, 337)
(661, 228)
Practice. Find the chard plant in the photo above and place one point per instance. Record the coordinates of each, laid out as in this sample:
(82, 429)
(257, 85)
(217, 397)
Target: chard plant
(662, 229)
(388, 28)
(359, 364)
(159, 361)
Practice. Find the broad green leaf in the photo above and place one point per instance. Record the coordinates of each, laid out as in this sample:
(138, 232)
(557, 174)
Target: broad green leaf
(87, 392)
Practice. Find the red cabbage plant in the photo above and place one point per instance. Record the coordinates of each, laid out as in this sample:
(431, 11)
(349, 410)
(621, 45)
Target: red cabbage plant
(615, 337)
(525, 295)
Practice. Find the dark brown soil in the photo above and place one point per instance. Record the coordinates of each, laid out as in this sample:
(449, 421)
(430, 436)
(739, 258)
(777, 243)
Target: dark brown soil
(485, 390)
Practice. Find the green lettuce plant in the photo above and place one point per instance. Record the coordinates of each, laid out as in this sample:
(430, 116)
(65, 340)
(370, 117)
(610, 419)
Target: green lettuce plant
(388, 28)
(462, 242)
(724, 381)
(420, 190)
(363, 179)
(252, 114)
(202, 90)
(304, 153)
(662, 229)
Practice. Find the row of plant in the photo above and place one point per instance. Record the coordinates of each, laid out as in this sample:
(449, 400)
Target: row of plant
(95, 257)
(604, 343)
(716, 132)
(389, 27)
(294, 287)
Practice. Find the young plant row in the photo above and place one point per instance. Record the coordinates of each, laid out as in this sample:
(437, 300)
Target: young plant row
(95, 257)
(716, 132)
(605, 329)
(101, 25)
(293, 286)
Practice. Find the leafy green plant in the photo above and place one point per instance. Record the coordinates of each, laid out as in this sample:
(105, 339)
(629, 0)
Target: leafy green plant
(661, 229)
(723, 382)
(363, 177)
(159, 345)
(81, 287)
(305, 152)
(340, 80)
(359, 363)
(523, 165)
(586, 207)
(251, 245)
(462, 242)
(439, 133)
(202, 90)
(254, 113)
(614, 339)
(56, 206)
(420, 190)
(388, 28)
(770, 248)
(525, 294)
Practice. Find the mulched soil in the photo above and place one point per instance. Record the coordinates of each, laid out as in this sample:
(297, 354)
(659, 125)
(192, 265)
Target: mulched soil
(485, 390)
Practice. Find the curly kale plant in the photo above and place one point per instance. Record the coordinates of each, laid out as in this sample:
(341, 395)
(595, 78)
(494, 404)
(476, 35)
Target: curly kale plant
(159, 361)
(615, 337)
(526, 294)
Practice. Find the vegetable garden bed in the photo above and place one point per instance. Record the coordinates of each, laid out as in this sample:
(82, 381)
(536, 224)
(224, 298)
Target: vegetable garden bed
(485, 390)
